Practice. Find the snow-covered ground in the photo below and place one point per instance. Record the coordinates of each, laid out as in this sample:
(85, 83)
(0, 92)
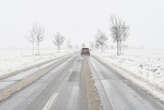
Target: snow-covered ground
(147, 64)
(17, 59)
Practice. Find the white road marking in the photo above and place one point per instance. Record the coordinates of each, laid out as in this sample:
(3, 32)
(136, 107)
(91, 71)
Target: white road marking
(50, 102)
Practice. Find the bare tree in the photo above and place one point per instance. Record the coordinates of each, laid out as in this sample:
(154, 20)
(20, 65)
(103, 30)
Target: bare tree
(37, 34)
(31, 39)
(58, 40)
(100, 41)
(119, 31)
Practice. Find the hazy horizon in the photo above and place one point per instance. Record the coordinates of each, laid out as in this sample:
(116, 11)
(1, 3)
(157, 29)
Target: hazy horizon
(79, 20)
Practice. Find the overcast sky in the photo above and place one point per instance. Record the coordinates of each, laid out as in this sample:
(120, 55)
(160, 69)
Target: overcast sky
(79, 20)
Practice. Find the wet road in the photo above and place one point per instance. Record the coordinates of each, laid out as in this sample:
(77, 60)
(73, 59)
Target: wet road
(117, 93)
(61, 89)
(15, 78)
(58, 90)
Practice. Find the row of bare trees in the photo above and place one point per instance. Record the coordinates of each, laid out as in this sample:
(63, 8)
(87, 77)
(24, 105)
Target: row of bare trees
(37, 35)
(119, 33)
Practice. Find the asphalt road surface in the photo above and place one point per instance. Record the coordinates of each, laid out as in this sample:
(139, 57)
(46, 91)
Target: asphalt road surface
(61, 89)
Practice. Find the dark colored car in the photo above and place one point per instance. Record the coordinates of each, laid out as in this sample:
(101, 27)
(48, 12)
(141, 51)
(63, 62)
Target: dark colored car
(85, 51)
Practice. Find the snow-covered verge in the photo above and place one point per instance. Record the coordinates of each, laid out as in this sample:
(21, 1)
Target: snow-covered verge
(10, 90)
(144, 67)
(11, 61)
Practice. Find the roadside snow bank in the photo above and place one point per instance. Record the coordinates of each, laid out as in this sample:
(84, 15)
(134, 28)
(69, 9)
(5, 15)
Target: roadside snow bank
(12, 63)
(147, 64)
(18, 86)
(145, 74)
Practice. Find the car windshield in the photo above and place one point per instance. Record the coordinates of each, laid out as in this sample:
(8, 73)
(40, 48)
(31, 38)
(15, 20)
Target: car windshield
(85, 49)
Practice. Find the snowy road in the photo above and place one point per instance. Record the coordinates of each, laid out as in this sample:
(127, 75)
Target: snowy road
(61, 89)
(5, 82)
(117, 93)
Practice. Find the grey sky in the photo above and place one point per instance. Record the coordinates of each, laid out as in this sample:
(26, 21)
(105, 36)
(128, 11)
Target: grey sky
(80, 19)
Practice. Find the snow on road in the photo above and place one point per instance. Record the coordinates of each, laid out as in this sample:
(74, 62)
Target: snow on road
(147, 65)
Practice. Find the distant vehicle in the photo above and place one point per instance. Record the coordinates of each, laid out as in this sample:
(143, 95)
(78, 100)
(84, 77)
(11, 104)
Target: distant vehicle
(85, 51)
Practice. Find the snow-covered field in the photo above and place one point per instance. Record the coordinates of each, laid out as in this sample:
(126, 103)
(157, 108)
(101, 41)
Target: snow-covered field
(16, 59)
(146, 64)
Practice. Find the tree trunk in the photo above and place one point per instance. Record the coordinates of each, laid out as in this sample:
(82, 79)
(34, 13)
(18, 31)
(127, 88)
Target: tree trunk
(120, 48)
(38, 49)
(33, 48)
(117, 48)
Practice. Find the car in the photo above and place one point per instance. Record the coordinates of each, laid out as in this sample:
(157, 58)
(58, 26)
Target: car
(85, 51)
